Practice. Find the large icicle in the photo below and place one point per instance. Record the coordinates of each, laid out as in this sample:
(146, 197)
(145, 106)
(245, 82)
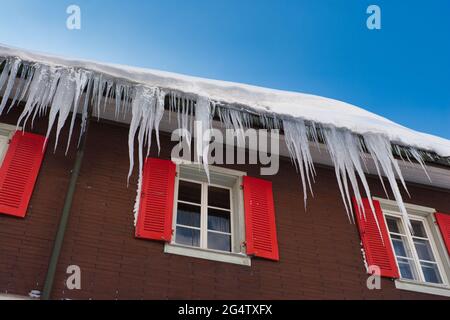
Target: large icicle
(380, 149)
(11, 68)
(297, 142)
(345, 150)
(63, 100)
(203, 126)
(147, 110)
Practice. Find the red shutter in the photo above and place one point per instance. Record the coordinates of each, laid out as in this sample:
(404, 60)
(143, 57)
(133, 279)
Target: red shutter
(443, 221)
(260, 229)
(378, 253)
(156, 205)
(19, 172)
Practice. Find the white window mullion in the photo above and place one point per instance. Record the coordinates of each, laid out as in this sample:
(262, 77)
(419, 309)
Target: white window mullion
(232, 223)
(204, 217)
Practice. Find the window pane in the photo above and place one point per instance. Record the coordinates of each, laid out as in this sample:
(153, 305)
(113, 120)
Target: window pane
(219, 197)
(218, 241)
(431, 272)
(407, 270)
(219, 220)
(394, 225)
(190, 192)
(188, 215)
(400, 247)
(424, 249)
(187, 236)
(418, 229)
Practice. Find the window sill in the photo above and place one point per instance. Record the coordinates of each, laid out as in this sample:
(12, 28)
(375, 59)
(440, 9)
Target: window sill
(8, 296)
(233, 258)
(439, 290)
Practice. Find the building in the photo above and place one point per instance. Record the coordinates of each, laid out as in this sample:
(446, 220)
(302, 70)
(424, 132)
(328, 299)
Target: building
(238, 234)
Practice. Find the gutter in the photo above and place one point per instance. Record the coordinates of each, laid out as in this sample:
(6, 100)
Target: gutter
(60, 235)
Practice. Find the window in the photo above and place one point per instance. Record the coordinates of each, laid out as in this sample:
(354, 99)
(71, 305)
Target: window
(208, 218)
(414, 253)
(203, 216)
(421, 255)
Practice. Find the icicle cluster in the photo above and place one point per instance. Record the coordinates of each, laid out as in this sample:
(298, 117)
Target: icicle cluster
(58, 91)
(297, 142)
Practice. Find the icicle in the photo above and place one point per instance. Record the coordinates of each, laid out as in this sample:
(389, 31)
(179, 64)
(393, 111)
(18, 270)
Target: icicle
(345, 149)
(379, 148)
(21, 85)
(81, 80)
(235, 120)
(420, 160)
(43, 78)
(118, 93)
(85, 110)
(183, 115)
(108, 94)
(159, 112)
(203, 121)
(62, 102)
(146, 115)
(11, 68)
(298, 146)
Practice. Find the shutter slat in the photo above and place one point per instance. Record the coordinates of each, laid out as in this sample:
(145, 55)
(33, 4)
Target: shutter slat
(19, 172)
(377, 252)
(443, 221)
(261, 234)
(156, 206)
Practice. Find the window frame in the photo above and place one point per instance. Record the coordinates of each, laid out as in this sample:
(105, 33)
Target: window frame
(237, 219)
(204, 214)
(6, 133)
(415, 257)
(426, 216)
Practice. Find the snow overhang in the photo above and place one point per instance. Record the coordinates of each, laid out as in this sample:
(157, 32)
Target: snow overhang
(281, 104)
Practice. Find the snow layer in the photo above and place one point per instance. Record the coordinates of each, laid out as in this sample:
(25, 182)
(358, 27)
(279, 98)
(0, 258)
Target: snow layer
(261, 100)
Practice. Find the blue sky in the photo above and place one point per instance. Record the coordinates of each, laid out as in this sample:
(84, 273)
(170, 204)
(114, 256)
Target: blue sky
(315, 46)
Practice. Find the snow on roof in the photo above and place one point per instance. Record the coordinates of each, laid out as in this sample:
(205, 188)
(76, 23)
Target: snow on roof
(284, 104)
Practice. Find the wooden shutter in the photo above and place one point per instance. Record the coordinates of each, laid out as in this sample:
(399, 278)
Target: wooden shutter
(156, 203)
(261, 233)
(443, 221)
(19, 172)
(378, 253)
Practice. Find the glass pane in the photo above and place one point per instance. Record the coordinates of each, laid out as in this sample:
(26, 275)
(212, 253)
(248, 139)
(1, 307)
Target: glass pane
(190, 192)
(418, 229)
(187, 236)
(188, 215)
(218, 241)
(219, 197)
(424, 249)
(399, 245)
(394, 225)
(407, 270)
(431, 272)
(219, 220)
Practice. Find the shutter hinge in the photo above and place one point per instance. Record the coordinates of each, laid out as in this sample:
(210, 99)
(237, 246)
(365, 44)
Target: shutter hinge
(242, 187)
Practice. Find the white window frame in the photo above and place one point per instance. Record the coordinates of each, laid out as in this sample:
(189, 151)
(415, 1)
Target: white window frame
(426, 216)
(6, 133)
(204, 212)
(237, 221)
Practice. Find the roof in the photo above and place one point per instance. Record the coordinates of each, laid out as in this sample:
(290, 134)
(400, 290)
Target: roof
(282, 104)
